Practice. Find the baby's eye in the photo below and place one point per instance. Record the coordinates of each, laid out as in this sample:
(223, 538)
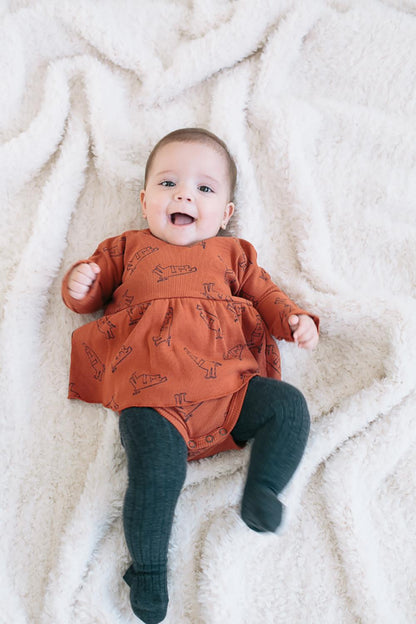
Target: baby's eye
(205, 189)
(167, 183)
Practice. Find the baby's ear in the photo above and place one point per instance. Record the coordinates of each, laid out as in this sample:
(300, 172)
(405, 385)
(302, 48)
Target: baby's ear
(228, 212)
(143, 202)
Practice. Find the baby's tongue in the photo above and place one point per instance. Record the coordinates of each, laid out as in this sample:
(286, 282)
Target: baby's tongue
(181, 219)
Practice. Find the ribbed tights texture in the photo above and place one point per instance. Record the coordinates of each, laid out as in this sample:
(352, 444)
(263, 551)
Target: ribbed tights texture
(274, 415)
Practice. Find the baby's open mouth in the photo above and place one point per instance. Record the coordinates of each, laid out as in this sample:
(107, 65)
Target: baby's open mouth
(180, 218)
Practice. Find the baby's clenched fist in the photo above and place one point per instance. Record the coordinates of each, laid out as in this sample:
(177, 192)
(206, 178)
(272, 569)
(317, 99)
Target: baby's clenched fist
(81, 279)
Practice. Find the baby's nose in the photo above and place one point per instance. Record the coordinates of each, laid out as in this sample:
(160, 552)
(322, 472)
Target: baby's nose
(183, 194)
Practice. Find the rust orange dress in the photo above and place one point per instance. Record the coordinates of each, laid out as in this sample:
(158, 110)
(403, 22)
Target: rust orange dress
(184, 329)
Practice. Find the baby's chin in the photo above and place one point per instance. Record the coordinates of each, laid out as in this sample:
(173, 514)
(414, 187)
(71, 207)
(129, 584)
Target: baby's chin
(182, 236)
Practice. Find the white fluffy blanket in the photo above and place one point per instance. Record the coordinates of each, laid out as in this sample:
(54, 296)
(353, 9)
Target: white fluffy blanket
(317, 100)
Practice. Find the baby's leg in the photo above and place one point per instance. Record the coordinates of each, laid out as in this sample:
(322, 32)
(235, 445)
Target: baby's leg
(275, 414)
(156, 459)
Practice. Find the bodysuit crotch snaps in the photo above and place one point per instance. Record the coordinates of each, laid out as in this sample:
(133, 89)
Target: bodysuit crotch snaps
(206, 426)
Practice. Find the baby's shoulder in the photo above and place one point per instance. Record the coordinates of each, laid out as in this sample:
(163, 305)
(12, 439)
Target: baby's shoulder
(236, 247)
(136, 239)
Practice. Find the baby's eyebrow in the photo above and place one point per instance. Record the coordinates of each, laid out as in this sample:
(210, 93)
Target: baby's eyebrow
(201, 175)
(162, 173)
(207, 177)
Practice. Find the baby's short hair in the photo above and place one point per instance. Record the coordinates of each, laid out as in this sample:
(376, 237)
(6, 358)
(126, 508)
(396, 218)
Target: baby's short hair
(196, 135)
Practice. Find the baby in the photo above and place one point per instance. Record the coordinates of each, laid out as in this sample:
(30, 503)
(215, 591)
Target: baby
(185, 353)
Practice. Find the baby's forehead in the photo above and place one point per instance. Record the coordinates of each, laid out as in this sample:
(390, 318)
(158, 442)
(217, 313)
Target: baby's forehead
(197, 147)
(202, 155)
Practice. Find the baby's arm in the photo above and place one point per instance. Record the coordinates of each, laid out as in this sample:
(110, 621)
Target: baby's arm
(284, 318)
(81, 279)
(90, 283)
(304, 331)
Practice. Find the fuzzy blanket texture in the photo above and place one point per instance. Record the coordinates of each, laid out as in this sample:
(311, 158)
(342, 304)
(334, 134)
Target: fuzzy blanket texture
(317, 101)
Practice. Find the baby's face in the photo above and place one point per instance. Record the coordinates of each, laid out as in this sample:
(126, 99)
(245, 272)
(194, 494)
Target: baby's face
(186, 199)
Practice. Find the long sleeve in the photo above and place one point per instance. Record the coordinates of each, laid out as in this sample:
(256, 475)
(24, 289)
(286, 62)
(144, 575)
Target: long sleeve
(273, 305)
(109, 256)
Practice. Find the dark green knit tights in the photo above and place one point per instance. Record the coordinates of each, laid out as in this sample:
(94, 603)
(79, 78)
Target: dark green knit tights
(274, 415)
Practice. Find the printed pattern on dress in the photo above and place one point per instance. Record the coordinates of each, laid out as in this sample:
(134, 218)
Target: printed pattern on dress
(136, 312)
(113, 405)
(144, 381)
(236, 309)
(185, 408)
(124, 353)
(165, 330)
(139, 256)
(126, 300)
(106, 327)
(165, 273)
(273, 358)
(257, 335)
(235, 353)
(210, 292)
(73, 391)
(209, 367)
(96, 364)
(211, 321)
(117, 249)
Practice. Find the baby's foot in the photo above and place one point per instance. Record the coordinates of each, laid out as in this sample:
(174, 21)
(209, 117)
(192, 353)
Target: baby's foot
(261, 510)
(148, 594)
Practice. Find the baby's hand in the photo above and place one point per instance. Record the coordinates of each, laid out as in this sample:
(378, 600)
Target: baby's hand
(81, 279)
(304, 331)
